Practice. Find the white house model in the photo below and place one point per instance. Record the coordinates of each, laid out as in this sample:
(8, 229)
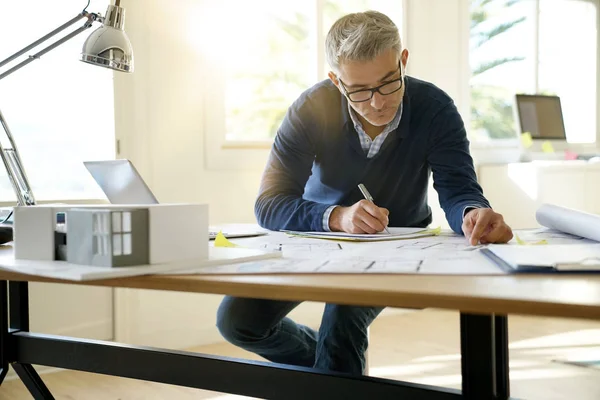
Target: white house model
(108, 238)
(112, 235)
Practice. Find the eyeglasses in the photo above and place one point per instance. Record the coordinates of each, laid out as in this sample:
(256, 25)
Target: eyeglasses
(384, 89)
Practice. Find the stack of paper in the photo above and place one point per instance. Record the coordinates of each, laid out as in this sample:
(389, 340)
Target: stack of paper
(549, 258)
(394, 234)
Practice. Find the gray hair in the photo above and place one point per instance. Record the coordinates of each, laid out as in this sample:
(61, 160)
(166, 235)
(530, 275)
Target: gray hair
(360, 37)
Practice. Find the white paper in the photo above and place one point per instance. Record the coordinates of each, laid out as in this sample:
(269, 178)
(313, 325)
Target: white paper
(77, 272)
(421, 248)
(394, 234)
(549, 256)
(445, 254)
(292, 246)
(551, 236)
(334, 265)
(303, 250)
(461, 263)
(571, 221)
(467, 263)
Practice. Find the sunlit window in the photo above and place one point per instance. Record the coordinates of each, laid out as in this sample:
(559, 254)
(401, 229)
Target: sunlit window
(278, 58)
(60, 110)
(533, 46)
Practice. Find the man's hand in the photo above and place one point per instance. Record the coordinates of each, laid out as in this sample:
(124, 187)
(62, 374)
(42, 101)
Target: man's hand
(483, 225)
(362, 217)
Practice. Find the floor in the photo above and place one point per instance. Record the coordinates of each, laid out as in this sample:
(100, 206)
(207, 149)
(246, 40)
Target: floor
(420, 346)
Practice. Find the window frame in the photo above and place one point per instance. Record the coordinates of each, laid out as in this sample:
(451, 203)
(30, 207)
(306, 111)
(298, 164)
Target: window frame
(221, 154)
(61, 196)
(515, 142)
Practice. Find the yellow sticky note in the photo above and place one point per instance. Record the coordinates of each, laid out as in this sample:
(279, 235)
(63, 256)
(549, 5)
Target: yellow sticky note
(435, 231)
(547, 147)
(522, 242)
(526, 140)
(222, 241)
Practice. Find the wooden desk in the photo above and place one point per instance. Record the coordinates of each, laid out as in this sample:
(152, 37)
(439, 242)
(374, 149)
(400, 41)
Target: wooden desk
(482, 301)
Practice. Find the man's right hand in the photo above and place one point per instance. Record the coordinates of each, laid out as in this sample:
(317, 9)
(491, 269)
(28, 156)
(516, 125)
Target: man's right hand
(362, 217)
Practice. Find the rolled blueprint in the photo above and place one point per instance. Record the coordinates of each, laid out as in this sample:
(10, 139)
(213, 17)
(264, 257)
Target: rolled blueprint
(568, 220)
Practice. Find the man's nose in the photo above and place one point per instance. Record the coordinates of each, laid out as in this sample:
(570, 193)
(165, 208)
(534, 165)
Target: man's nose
(377, 101)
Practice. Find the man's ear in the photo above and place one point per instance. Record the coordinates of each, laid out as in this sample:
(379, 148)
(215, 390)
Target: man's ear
(334, 79)
(404, 58)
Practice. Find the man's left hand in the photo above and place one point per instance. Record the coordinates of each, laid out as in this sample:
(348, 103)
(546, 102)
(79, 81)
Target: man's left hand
(483, 225)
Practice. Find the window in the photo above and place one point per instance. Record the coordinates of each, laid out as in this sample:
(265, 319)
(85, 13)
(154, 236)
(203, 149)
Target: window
(281, 56)
(59, 110)
(533, 46)
(121, 227)
(117, 224)
(101, 232)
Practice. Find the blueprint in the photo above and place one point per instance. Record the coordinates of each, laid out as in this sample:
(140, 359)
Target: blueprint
(443, 254)
(278, 253)
(301, 249)
(339, 265)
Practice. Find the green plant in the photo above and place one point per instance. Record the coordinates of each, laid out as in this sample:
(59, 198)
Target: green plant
(491, 106)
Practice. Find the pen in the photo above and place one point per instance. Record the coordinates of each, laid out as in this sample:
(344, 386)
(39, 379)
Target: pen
(368, 196)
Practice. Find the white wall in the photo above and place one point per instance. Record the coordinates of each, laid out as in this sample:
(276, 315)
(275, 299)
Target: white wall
(159, 107)
(160, 124)
(159, 115)
(438, 53)
(435, 37)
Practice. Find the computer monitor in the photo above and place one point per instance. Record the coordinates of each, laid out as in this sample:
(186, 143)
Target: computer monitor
(541, 116)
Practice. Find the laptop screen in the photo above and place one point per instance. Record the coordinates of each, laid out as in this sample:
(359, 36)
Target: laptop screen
(120, 182)
(541, 116)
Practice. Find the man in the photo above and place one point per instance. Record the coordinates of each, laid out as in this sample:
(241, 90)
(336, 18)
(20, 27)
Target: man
(370, 124)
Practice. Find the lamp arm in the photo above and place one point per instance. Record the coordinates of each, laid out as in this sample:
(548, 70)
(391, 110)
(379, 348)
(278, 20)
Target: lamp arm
(91, 17)
(10, 155)
(14, 168)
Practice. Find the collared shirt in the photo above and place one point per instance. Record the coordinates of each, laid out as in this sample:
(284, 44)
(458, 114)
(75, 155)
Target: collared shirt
(370, 146)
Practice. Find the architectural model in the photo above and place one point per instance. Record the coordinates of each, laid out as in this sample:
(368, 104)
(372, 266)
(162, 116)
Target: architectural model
(112, 235)
(108, 238)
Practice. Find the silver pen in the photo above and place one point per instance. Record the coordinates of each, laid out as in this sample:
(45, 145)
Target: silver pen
(368, 196)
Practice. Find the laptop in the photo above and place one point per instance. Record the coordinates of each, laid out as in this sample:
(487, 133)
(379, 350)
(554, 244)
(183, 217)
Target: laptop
(122, 184)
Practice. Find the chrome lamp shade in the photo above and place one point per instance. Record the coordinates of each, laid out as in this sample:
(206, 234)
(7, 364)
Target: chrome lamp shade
(109, 46)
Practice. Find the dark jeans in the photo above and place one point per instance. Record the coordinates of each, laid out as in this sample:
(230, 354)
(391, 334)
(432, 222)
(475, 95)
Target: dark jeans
(261, 326)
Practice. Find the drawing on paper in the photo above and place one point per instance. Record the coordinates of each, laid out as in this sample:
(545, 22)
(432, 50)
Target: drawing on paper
(312, 247)
(302, 250)
(339, 265)
(441, 246)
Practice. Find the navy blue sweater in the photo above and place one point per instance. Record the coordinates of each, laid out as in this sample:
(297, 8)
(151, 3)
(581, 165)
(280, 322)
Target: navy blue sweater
(316, 161)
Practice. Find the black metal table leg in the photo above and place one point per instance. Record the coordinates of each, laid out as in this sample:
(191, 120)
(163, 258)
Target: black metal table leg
(19, 321)
(33, 382)
(484, 348)
(3, 330)
(502, 368)
(19, 306)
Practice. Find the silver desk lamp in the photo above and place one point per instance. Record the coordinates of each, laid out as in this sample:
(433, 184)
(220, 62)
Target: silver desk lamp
(108, 46)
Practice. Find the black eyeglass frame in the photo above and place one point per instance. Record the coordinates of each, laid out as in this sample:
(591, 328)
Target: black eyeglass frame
(375, 89)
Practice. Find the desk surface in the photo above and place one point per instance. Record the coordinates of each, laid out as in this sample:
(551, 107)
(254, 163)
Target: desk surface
(559, 296)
